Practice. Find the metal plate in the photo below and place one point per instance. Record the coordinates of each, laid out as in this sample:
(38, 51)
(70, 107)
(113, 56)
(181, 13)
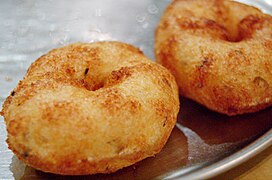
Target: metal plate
(203, 143)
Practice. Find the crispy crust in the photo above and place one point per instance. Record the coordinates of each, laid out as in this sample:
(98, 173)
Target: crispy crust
(91, 108)
(219, 52)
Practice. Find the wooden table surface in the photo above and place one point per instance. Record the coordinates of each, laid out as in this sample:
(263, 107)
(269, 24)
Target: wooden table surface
(259, 167)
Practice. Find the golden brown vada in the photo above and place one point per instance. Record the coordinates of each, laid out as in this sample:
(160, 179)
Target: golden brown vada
(220, 53)
(91, 108)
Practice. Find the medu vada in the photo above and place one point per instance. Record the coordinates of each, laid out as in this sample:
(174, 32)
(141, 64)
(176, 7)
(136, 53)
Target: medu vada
(220, 53)
(91, 108)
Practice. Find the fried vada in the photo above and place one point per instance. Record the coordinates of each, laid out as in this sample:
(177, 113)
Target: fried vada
(91, 108)
(220, 53)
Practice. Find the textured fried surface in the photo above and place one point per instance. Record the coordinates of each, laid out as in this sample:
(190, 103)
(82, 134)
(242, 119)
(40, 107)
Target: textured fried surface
(91, 108)
(220, 53)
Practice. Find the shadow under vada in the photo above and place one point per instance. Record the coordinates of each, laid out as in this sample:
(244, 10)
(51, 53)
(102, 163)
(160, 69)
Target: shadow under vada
(215, 128)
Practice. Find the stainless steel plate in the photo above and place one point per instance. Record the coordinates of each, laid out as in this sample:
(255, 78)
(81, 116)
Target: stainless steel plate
(203, 143)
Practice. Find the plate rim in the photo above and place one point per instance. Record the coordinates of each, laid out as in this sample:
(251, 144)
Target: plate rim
(227, 163)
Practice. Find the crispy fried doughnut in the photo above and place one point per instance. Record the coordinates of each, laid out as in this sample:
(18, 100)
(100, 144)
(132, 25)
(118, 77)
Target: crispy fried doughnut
(91, 108)
(220, 53)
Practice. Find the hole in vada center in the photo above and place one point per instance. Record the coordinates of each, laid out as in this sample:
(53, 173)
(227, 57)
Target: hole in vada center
(89, 82)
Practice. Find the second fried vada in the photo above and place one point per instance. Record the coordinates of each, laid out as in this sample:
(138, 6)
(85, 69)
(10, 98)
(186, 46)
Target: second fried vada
(219, 52)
